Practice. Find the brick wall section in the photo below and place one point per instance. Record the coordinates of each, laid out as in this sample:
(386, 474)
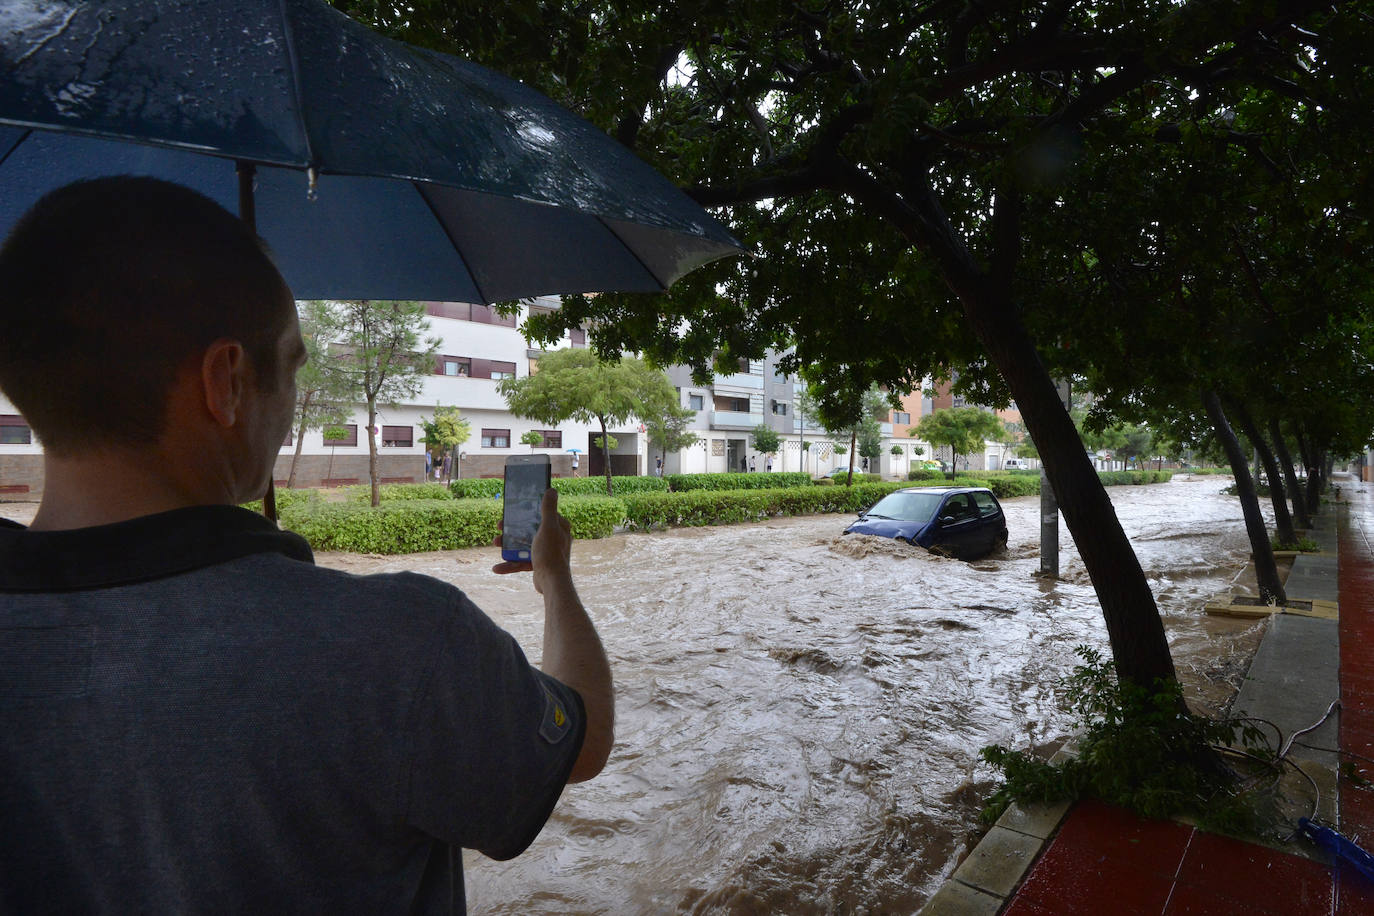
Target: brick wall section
(18, 472)
(313, 470)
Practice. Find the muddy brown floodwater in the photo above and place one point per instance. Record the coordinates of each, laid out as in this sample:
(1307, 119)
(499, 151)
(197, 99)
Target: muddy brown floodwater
(799, 713)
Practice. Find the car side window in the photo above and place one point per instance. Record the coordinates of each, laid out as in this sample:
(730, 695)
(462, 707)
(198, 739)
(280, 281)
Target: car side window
(958, 507)
(987, 506)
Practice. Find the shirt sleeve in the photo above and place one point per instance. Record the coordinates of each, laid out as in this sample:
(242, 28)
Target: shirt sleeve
(493, 741)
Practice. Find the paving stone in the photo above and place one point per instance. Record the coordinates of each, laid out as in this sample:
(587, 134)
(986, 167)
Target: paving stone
(956, 899)
(1034, 819)
(999, 861)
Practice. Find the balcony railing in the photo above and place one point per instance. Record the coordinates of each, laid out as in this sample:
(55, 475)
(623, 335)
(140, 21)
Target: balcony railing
(734, 419)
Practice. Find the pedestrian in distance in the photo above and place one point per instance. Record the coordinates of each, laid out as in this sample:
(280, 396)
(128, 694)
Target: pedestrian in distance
(751, 464)
(196, 717)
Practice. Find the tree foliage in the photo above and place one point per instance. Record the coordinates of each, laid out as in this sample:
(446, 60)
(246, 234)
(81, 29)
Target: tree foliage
(964, 430)
(936, 186)
(575, 384)
(323, 393)
(446, 432)
(766, 439)
(380, 349)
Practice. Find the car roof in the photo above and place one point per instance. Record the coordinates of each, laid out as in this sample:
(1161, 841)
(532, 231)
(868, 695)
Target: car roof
(943, 490)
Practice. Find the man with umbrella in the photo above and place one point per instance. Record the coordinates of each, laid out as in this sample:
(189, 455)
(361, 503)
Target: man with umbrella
(196, 717)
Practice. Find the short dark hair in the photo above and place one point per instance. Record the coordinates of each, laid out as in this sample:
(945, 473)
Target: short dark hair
(107, 287)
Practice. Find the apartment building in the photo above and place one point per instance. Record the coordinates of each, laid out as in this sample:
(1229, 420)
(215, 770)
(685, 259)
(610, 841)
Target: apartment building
(478, 348)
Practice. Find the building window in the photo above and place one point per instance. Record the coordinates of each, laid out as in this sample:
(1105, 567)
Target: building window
(398, 436)
(744, 364)
(738, 405)
(341, 435)
(495, 438)
(578, 337)
(14, 431)
(502, 370)
(454, 366)
(696, 402)
(780, 408)
(289, 439)
(553, 438)
(899, 417)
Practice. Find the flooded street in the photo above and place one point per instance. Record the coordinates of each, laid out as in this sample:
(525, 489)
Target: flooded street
(799, 713)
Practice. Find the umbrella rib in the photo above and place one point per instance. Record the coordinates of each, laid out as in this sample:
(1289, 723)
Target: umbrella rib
(438, 218)
(14, 146)
(634, 254)
(292, 65)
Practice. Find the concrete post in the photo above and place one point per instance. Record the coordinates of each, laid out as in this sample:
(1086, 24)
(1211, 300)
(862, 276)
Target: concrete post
(1049, 509)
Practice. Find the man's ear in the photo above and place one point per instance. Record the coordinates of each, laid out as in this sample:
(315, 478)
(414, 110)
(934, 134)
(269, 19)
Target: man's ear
(224, 378)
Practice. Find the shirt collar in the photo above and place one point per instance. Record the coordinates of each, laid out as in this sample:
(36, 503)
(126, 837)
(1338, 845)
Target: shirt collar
(137, 550)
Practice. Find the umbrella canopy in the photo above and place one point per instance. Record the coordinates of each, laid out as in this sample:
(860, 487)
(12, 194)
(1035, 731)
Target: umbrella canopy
(383, 171)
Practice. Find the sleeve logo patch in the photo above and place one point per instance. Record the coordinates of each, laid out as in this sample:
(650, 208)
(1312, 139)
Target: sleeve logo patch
(555, 724)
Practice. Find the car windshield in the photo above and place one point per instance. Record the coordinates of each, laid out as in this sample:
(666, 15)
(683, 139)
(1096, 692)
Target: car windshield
(909, 507)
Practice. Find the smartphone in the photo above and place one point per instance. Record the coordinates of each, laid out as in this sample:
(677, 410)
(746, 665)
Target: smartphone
(527, 477)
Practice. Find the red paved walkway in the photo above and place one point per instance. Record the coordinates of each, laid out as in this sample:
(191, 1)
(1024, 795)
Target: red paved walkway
(1108, 861)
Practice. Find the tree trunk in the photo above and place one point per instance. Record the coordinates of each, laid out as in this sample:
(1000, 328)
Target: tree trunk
(1290, 476)
(1312, 462)
(372, 453)
(853, 438)
(1266, 571)
(606, 454)
(1283, 522)
(1139, 647)
(300, 440)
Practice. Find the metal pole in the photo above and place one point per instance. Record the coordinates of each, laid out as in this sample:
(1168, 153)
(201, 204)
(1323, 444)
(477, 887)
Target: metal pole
(1049, 510)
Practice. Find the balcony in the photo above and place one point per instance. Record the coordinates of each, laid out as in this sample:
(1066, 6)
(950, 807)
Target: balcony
(740, 380)
(734, 419)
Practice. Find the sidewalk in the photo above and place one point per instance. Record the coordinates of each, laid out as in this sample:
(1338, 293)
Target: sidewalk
(1092, 859)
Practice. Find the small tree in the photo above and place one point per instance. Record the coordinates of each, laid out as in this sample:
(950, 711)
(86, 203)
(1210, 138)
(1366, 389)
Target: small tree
(322, 391)
(575, 384)
(445, 433)
(963, 429)
(532, 438)
(381, 347)
(668, 430)
(766, 439)
(804, 407)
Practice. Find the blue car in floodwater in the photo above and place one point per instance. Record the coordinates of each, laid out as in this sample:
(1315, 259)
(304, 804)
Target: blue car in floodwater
(964, 522)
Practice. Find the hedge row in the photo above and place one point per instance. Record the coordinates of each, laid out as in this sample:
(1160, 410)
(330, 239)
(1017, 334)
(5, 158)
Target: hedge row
(645, 511)
(682, 483)
(488, 487)
(410, 526)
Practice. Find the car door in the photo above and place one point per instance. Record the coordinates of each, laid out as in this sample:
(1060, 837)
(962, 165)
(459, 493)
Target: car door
(991, 521)
(958, 525)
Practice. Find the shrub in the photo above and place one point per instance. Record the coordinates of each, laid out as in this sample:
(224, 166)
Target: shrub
(476, 487)
(725, 507)
(399, 491)
(592, 516)
(286, 499)
(682, 483)
(596, 486)
(409, 526)
(405, 526)
(487, 487)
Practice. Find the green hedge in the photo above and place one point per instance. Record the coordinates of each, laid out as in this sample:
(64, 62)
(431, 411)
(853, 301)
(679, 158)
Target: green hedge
(725, 507)
(488, 487)
(407, 526)
(410, 526)
(596, 486)
(398, 491)
(683, 483)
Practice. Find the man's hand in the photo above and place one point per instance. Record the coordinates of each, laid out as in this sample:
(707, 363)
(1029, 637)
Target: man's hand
(572, 650)
(551, 551)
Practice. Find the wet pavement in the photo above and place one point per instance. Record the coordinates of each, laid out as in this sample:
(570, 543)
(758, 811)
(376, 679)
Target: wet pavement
(1106, 860)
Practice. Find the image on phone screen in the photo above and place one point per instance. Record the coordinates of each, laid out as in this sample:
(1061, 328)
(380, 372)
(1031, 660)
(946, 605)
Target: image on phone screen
(524, 489)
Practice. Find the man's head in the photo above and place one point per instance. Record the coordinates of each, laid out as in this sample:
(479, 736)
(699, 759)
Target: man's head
(111, 287)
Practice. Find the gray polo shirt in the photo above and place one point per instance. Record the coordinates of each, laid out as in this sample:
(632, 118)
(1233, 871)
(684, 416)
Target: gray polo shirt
(194, 718)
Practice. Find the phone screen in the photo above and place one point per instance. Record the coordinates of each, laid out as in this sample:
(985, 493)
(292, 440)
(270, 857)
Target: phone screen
(524, 493)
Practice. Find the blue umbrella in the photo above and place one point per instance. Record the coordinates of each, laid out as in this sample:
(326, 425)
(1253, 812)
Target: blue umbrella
(374, 169)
